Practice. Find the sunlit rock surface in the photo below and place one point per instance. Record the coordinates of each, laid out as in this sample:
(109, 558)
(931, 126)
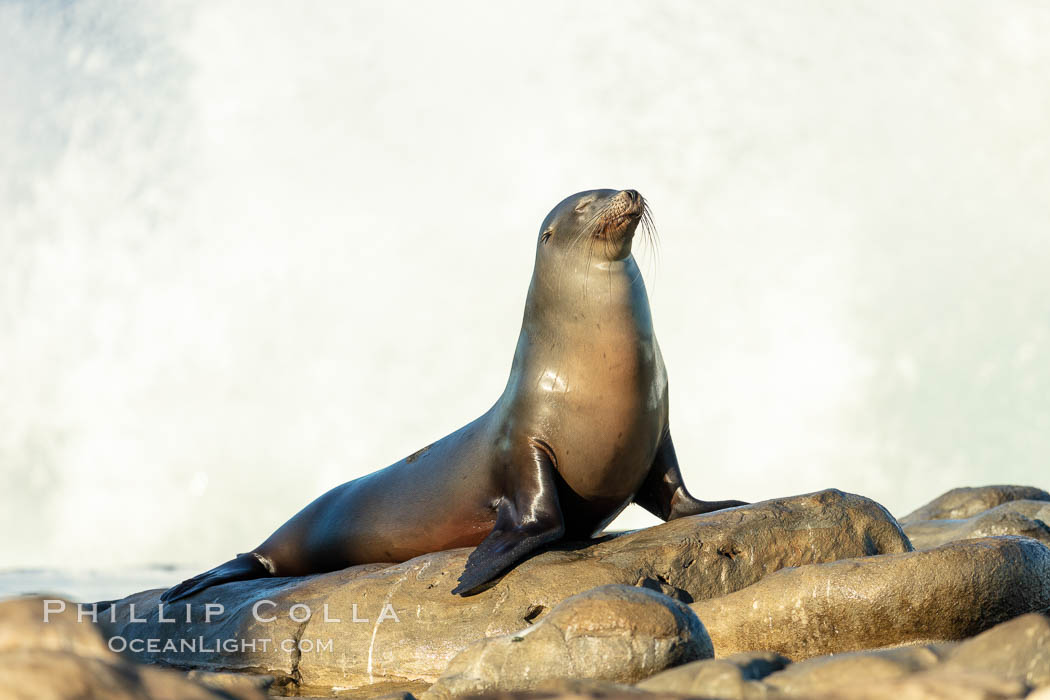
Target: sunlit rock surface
(62, 658)
(1021, 517)
(968, 501)
(952, 592)
(689, 559)
(820, 595)
(610, 633)
(1006, 661)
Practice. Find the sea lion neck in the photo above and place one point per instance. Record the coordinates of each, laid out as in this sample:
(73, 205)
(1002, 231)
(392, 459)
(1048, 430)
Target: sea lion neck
(564, 291)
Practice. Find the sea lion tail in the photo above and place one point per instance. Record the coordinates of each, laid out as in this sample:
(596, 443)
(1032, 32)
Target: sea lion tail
(241, 568)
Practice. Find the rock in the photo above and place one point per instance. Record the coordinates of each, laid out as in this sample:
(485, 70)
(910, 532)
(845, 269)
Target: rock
(826, 673)
(579, 689)
(1000, 662)
(1018, 649)
(689, 559)
(403, 695)
(969, 501)
(733, 678)
(1023, 517)
(948, 593)
(231, 681)
(62, 658)
(577, 686)
(934, 684)
(22, 628)
(611, 633)
(588, 691)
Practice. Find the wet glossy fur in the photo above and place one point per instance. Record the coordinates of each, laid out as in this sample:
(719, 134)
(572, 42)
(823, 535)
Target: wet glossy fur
(580, 431)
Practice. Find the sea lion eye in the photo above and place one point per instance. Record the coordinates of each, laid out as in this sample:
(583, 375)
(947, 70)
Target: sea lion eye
(545, 236)
(583, 205)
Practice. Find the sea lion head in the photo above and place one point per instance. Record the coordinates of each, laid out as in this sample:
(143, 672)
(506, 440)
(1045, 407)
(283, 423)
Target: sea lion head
(596, 225)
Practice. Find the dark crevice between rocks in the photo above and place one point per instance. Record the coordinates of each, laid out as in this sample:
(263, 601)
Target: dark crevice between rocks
(296, 676)
(757, 669)
(661, 584)
(534, 613)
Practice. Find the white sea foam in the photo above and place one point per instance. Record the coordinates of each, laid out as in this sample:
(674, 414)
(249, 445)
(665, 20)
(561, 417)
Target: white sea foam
(249, 251)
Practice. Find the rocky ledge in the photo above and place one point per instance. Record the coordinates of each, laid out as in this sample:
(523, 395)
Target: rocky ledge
(408, 625)
(65, 658)
(821, 595)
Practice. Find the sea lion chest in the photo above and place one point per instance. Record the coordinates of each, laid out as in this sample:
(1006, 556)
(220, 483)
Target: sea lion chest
(595, 390)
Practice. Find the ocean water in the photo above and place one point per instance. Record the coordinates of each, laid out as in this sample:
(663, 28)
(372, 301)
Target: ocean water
(88, 586)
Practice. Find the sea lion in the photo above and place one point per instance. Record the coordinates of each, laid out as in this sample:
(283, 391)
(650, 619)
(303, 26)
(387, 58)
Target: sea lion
(579, 432)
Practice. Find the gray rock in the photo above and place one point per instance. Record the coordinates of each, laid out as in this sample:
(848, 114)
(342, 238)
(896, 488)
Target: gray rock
(592, 690)
(965, 502)
(733, 678)
(1018, 649)
(690, 559)
(943, 594)
(577, 686)
(611, 633)
(1001, 662)
(62, 658)
(934, 684)
(826, 673)
(1025, 517)
(231, 681)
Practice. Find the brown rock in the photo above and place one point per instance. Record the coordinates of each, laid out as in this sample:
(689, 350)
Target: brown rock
(934, 684)
(61, 658)
(578, 686)
(400, 695)
(826, 673)
(999, 662)
(733, 678)
(1018, 649)
(969, 501)
(689, 559)
(948, 593)
(22, 627)
(1025, 517)
(231, 681)
(583, 691)
(1003, 662)
(611, 633)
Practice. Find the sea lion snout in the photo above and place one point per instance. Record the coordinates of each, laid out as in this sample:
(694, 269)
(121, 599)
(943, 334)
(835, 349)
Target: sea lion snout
(608, 218)
(624, 207)
(627, 203)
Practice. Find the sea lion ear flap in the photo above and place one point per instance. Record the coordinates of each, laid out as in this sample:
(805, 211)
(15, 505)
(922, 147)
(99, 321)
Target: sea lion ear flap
(546, 235)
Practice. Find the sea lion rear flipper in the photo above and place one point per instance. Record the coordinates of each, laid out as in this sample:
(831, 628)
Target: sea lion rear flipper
(241, 568)
(527, 519)
(663, 493)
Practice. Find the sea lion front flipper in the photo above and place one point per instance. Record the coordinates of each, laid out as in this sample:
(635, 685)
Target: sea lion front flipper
(527, 518)
(663, 493)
